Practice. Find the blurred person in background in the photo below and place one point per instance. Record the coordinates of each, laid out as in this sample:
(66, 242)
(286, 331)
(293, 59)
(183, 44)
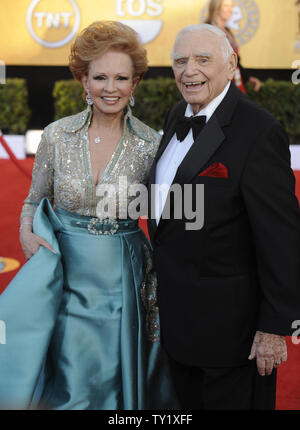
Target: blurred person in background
(219, 13)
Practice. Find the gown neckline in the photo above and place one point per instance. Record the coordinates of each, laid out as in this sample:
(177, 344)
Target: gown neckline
(114, 155)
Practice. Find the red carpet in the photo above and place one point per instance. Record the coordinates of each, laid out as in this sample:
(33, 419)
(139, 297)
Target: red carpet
(14, 189)
(14, 186)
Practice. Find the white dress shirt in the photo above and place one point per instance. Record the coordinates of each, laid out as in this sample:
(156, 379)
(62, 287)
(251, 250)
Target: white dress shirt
(174, 154)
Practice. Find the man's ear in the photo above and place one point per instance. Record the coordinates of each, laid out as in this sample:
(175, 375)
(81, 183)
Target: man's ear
(232, 65)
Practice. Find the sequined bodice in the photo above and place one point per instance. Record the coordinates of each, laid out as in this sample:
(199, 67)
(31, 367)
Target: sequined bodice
(63, 173)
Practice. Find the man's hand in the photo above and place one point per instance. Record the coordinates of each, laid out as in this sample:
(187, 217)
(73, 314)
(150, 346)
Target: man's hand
(269, 350)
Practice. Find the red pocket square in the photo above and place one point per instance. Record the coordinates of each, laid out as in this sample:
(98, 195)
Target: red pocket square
(216, 170)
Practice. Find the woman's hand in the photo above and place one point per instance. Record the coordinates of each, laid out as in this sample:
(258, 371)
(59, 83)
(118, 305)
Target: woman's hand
(30, 243)
(255, 82)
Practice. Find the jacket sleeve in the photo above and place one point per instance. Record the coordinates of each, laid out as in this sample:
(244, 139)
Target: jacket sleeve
(268, 188)
(42, 177)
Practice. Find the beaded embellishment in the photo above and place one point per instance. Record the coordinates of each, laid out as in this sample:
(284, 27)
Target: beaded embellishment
(149, 298)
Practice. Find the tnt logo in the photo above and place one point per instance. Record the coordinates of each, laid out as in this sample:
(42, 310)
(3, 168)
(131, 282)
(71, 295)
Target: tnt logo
(53, 19)
(53, 23)
(2, 332)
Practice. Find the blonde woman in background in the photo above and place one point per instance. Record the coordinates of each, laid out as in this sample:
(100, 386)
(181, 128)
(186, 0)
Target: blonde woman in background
(219, 13)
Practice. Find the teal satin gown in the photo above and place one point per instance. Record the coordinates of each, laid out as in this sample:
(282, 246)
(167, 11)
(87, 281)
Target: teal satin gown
(82, 329)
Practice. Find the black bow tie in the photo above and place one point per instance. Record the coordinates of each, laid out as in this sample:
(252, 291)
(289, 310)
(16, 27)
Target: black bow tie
(184, 125)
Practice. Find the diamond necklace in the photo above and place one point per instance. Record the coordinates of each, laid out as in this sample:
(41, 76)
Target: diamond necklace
(97, 139)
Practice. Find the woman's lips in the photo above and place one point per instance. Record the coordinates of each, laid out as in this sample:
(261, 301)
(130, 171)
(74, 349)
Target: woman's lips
(110, 100)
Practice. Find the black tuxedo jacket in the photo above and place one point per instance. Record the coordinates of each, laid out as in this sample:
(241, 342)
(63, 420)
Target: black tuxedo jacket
(241, 271)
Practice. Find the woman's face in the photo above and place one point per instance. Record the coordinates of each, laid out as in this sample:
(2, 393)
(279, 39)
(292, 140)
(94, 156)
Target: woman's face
(110, 82)
(226, 10)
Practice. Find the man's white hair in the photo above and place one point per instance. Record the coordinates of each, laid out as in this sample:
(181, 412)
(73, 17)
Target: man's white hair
(226, 48)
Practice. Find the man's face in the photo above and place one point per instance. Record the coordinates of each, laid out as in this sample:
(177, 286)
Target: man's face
(200, 71)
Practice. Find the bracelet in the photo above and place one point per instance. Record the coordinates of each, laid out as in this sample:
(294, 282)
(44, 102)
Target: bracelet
(24, 223)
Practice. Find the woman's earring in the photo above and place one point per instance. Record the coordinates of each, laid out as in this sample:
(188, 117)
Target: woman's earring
(131, 101)
(88, 98)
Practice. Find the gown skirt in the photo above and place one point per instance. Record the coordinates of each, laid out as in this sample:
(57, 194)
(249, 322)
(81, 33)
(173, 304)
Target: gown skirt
(81, 325)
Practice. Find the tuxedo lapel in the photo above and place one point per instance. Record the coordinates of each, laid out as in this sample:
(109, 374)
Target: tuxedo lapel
(170, 129)
(210, 138)
(167, 136)
(206, 144)
(178, 111)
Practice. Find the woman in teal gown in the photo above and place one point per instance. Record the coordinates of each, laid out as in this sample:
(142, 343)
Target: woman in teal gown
(82, 327)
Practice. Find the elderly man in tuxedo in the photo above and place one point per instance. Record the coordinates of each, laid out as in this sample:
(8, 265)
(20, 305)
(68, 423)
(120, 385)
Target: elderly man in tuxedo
(228, 290)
